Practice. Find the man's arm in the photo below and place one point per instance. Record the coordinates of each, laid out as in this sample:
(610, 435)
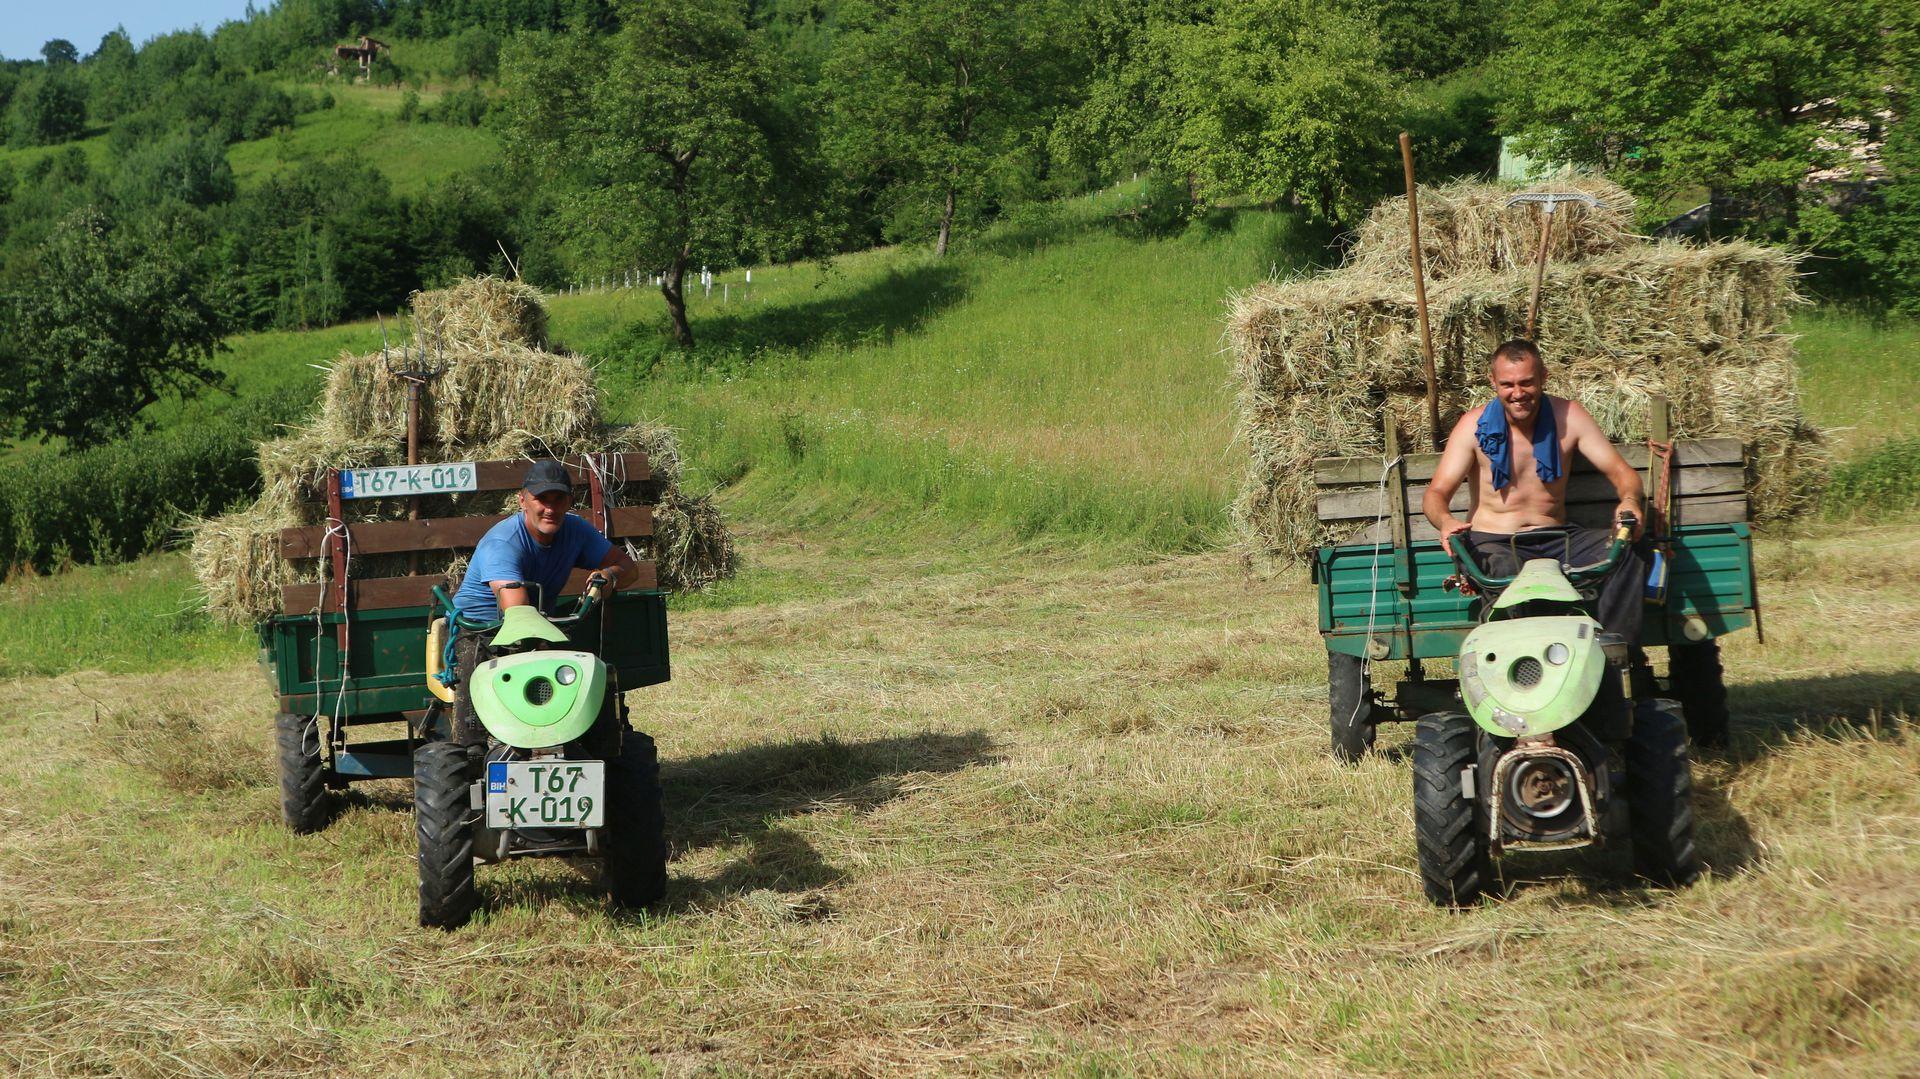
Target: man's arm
(1456, 461)
(1591, 442)
(624, 567)
(511, 594)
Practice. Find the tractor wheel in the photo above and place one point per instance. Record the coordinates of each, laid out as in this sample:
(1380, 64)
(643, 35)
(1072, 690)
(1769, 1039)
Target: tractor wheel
(635, 839)
(443, 774)
(1694, 671)
(1350, 702)
(303, 779)
(1660, 797)
(1454, 867)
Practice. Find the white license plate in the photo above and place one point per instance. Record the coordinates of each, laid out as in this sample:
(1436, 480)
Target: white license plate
(408, 480)
(546, 794)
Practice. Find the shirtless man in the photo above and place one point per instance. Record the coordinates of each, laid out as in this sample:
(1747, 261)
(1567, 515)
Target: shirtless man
(1516, 455)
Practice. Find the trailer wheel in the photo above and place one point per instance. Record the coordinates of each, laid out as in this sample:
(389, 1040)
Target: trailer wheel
(635, 839)
(1350, 702)
(1454, 867)
(303, 779)
(1700, 684)
(443, 819)
(1660, 797)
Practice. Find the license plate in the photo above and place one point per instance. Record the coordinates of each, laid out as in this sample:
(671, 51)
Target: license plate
(408, 480)
(546, 794)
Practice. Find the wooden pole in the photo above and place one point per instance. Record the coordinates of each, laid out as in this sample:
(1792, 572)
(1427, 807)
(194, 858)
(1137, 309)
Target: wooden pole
(1420, 294)
(1539, 269)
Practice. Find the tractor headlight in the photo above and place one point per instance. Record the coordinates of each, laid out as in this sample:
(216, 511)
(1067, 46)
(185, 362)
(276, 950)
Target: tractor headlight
(1509, 722)
(566, 675)
(1556, 654)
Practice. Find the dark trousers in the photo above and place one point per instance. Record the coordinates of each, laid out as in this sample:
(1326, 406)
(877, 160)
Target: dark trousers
(468, 652)
(1621, 592)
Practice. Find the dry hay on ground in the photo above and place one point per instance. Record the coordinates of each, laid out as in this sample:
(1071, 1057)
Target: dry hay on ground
(498, 401)
(1314, 358)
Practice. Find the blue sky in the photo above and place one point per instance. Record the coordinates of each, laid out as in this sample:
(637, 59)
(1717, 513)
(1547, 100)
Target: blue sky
(29, 24)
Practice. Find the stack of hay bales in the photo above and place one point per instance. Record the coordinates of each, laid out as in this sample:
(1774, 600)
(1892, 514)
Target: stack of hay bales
(1621, 318)
(501, 397)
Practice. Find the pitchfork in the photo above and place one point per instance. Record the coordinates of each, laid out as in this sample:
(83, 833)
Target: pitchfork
(1551, 201)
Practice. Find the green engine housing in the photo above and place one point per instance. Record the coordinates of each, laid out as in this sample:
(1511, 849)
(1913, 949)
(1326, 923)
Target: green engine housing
(539, 699)
(1531, 675)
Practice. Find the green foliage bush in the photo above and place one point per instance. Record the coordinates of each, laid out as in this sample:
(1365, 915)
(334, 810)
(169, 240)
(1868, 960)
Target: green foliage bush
(1881, 481)
(122, 499)
(47, 108)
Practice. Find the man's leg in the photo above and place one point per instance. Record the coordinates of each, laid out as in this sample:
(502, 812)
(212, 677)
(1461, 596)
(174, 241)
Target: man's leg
(1623, 592)
(1495, 553)
(466, 657)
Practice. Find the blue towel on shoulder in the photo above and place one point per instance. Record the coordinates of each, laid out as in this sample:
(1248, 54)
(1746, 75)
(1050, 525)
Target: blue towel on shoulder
(1495, 443)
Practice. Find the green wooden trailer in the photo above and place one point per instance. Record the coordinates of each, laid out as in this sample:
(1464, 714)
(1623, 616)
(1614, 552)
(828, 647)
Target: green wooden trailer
(350, 658)
(1385, 595)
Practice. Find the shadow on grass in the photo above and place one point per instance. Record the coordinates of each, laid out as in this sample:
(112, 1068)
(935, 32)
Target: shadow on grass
(742, 796)
(1766, 712)
(898, 302)
(1299, 246)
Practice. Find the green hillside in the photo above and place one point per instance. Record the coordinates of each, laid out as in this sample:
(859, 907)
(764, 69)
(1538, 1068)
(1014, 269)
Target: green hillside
(364, 125)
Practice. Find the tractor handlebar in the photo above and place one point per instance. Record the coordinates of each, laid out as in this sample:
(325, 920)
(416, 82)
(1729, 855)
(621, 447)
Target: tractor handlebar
(1463, 558)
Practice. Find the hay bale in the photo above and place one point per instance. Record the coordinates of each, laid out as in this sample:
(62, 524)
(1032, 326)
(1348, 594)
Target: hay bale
(483, 313)
(499, 399)
(1315, 358)
(505, 394)
(1468, 228)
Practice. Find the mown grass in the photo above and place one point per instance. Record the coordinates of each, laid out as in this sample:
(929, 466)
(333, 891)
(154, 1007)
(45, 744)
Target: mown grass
(982, 811)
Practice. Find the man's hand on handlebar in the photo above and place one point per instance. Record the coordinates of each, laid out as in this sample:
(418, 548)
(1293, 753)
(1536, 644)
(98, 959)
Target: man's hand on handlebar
(1451, 528)
(598, 583)
(1627, 516)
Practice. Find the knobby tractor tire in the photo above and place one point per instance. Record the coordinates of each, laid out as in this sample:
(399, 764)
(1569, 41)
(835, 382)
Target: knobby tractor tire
(635, 840)
(443, 822)
(1660, 797)
(1698, 682)
(1454, 867)
(1350, 704)
(303, 780)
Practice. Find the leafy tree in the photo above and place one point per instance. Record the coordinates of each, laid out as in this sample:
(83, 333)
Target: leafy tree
(1429, 38)
(661, 136)
(1305, 104)
(930, 97)
(59, 53)
(476, 53)
(1141, 106)
(184, 168)
(309, 247)
(1274, 98)
(49, 107)
(1682, 94)
(1870, 250)
(120, 317)
(112, 73)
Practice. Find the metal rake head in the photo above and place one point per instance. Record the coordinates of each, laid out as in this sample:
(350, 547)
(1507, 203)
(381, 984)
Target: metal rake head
(1553, 200)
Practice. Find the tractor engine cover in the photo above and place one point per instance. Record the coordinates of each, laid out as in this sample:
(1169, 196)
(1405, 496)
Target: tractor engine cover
(539, 699)
(1531, 676)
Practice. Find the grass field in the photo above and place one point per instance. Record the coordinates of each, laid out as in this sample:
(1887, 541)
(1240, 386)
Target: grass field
(362, 124)
(992, 759)
(998, 812)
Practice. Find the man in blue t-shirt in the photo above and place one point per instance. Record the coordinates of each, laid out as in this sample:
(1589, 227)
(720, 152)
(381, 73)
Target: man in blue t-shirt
(541, 546)
(523, 560)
